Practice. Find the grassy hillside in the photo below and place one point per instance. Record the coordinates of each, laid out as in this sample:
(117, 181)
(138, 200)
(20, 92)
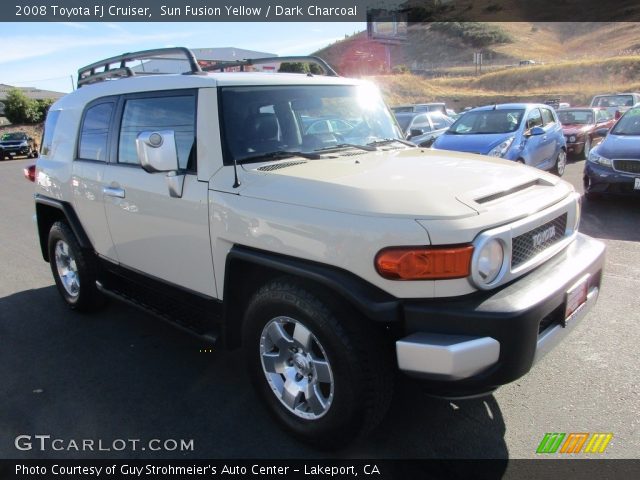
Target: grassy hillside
(580, 60)
(572, 81)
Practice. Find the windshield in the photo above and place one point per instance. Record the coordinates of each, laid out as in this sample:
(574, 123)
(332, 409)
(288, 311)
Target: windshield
(262, 120)
(613, 101)
(487, 121)
(576, 117)
(14, 136)
(629, 124)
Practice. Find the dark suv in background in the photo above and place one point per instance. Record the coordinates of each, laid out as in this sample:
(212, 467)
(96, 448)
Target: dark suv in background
(17, 144)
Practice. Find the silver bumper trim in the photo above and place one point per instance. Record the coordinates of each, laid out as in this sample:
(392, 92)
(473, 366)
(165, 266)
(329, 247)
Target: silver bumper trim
(446, 357)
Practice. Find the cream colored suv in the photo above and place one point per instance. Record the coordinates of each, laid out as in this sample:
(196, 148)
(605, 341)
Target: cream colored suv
(284, 214)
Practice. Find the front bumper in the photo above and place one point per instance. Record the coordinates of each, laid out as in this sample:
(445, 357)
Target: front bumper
(14, 151)
(599, 179)
(481, 341)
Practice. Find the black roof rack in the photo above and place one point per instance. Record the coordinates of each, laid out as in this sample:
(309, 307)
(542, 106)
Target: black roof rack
(220, 66)
(103, 70)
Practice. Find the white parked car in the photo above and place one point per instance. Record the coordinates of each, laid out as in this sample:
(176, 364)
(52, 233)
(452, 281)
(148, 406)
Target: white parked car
(335, 259)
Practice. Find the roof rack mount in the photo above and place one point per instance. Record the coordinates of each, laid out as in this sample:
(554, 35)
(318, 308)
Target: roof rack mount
(330, 72)
(88, 74)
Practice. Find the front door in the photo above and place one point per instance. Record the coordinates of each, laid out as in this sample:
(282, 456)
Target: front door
(157, 234)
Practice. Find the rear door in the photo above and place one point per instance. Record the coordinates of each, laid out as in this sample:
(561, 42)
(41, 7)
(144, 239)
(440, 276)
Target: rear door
(553, 139)
(534, 150)
(153, 232)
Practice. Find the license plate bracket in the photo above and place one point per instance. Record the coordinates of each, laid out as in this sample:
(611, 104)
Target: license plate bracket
(575, 298)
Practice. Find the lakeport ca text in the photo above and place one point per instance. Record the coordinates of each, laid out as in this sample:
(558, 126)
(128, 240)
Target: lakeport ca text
(200, 470)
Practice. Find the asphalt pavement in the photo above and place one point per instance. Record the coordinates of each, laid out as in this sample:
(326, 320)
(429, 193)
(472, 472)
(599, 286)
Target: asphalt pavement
(123, 375)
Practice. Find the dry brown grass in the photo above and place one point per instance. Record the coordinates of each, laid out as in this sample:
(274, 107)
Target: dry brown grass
(572, 81)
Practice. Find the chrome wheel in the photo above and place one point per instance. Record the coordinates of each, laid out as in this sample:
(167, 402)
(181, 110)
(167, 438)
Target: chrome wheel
(296, 367)
(67, 268)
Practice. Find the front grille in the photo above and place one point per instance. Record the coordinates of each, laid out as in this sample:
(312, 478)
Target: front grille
(531, 243)
(628, 166)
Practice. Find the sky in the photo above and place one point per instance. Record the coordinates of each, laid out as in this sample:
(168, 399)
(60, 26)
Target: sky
(48, 55)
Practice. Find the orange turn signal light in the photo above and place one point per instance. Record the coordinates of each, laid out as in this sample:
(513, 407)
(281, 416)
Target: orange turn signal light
(424, 263)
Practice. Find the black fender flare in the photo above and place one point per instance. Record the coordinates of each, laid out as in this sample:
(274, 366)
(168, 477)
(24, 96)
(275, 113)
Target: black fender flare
(68, 213)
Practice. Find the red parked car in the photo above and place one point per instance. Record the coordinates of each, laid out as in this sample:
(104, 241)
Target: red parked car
(583, 128)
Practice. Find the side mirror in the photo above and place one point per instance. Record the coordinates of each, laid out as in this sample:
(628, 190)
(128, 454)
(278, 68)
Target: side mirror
(601, 132)
(415, 132)
(157, 152)
(535, 131)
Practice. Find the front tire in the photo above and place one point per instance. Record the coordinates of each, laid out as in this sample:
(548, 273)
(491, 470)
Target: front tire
(324, 376)
(73, 269)
(561, 163)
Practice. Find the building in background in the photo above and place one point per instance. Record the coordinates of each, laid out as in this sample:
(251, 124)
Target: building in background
(206, 57)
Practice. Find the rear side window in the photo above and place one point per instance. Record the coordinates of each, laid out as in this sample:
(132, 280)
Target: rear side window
(95, 132)
(177, 113)
(49, 128)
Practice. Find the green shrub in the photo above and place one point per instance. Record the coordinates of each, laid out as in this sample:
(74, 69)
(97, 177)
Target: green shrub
(18, 108)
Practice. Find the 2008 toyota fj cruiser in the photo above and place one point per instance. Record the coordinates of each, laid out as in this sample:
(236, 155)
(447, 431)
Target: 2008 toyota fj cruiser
(285, 214)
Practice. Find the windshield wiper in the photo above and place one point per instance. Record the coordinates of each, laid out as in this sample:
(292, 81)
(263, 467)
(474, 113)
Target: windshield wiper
(278, 155)
(367, 148)
(385, 141)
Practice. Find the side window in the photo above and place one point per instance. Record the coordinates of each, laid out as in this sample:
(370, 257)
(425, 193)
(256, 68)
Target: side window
(421, 122)
(159, 113)
(547, 116)
(94, 133)
(603, 116)
(49, 128)
(439, 122)
(534, 119)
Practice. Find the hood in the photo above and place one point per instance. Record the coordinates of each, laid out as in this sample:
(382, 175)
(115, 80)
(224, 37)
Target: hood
(426, 184)
(481, 143)
(620, 146)
(575, 129)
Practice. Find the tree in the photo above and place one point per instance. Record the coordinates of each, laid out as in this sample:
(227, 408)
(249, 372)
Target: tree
(18, 108)
(293, 67)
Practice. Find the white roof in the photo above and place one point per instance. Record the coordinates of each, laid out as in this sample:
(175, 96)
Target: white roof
(171, 82)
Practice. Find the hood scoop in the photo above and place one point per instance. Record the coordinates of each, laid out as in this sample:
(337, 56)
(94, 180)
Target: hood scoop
(511, 191)
(278, 166)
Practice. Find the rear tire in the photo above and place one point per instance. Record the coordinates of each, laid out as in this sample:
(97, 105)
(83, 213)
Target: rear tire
(74, 270)
(561, 163)
(324, 375)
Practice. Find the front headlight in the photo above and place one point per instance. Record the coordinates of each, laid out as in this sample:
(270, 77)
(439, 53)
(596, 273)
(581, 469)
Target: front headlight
(501, 149)
(24, 144)
(489, 261)
(572, 138)
(599, 159)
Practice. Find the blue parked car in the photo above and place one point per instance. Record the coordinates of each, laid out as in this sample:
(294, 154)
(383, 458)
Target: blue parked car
(524, 132)
(614, 165)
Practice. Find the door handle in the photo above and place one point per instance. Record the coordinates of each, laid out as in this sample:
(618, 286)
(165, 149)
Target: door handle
(113, 192)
